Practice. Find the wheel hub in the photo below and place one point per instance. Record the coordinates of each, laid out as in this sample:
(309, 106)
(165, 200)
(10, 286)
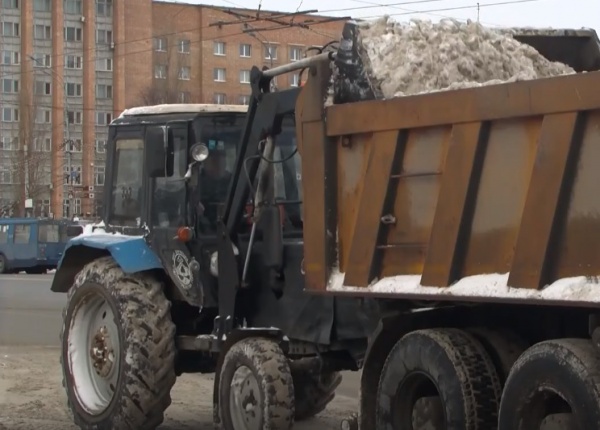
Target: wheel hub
(102, 353)
(246, 411)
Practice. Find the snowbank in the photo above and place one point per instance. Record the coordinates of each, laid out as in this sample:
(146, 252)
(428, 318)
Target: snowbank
(420, 56)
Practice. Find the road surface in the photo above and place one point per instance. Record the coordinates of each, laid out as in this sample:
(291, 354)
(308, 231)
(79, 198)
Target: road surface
(31, 395)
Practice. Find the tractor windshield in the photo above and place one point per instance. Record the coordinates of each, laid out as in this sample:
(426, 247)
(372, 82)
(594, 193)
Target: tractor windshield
(216, 172)
(126, 193)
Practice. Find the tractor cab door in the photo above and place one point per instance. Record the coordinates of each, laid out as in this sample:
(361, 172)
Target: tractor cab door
(167, 161)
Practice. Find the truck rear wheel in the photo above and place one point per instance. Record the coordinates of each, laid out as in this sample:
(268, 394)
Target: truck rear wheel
(118, 349)
(256, 389)
(440, 379)
(3, 265)
(553, 380)
(503, 346)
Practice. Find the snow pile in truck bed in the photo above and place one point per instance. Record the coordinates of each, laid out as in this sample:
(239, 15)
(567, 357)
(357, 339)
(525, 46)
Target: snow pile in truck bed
(420, 56)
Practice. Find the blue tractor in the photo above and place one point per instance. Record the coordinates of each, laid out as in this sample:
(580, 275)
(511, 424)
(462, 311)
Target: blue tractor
(198, 267)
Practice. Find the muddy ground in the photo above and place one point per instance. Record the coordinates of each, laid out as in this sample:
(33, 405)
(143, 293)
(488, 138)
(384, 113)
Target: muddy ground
(32, 397)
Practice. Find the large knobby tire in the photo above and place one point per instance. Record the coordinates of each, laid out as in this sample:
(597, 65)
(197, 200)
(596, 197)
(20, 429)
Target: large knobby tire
(449, 372)
(122, 325)
(553, 377)
(256, 390)
(314, 389)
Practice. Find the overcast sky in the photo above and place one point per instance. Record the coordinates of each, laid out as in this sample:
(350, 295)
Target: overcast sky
(533, 13)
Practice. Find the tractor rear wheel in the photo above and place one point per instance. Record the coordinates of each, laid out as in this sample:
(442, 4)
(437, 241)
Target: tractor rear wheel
(118, 349)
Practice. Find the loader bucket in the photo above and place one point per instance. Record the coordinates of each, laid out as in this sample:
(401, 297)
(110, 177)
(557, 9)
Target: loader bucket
(579, 49)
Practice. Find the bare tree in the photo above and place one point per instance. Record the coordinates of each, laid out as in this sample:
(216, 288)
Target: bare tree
(31, 158)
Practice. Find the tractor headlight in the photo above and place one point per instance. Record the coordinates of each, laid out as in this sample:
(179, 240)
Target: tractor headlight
(199, 152)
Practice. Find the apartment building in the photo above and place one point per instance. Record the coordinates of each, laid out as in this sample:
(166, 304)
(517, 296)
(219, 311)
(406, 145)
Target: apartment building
(68, 67)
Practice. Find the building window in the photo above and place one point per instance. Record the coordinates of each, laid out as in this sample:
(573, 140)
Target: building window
(245, 50)
(8, 143)
(74, 117)
(43, 88)
(74, 145)
(160, 71)
(73, 62)
(73, 90)
(73, 34)
(103, 118)
(184, 74)
(43, 116)
(72, 176)
(294, 80)
(104, 91)
(99, 175)
(100, 146)
(73, 7)
(270, 52)
(160, 44)
(184, 46)
(10, 4)
(10, 86)
(295, 53)
(219, 75)
(104, 7)
(220, 98)
(42, 32)
(42, 144)
(184, 97)
(6, 179)
(9, 58)
(104, 37)
(42, 5)
(42, 60)
(244, 76)
(10, 115)
(219, 48)
(244, 100)
(9, 29)
(104, 64)
(67, 212)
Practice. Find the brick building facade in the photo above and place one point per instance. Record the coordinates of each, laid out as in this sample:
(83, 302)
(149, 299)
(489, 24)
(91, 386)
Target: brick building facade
(67, 67)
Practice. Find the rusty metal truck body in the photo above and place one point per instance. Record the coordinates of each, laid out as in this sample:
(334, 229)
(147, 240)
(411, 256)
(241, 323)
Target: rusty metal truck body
(474, 216)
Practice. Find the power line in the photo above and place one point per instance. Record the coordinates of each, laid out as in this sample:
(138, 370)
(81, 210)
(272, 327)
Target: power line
(504, 3)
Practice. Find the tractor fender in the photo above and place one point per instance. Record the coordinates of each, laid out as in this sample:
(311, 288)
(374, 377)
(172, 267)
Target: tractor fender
(131, 253)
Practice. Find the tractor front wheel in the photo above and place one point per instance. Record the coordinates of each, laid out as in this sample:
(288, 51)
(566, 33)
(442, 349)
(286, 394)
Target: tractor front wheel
(118, 349)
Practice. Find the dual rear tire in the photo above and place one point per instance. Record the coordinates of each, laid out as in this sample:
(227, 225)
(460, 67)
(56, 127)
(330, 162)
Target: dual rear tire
(450, 379)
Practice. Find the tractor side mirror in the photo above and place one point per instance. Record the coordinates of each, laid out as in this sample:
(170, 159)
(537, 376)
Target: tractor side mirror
(157, 140)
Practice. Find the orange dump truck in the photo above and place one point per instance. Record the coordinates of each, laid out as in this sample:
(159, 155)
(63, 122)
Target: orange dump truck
(473, 216)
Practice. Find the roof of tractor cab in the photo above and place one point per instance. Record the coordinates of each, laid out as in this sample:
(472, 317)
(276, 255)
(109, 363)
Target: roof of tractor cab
(188, 108)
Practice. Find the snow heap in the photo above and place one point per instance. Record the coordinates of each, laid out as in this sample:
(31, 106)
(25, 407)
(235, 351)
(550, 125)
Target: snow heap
(420, 56)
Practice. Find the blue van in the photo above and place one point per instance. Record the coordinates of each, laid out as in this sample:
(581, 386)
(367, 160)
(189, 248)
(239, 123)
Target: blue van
(33, 245)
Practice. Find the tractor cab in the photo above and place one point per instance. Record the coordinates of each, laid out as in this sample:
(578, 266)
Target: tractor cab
(175, 197)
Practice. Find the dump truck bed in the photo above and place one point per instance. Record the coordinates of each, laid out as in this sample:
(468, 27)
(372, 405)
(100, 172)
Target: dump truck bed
(480, 194)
